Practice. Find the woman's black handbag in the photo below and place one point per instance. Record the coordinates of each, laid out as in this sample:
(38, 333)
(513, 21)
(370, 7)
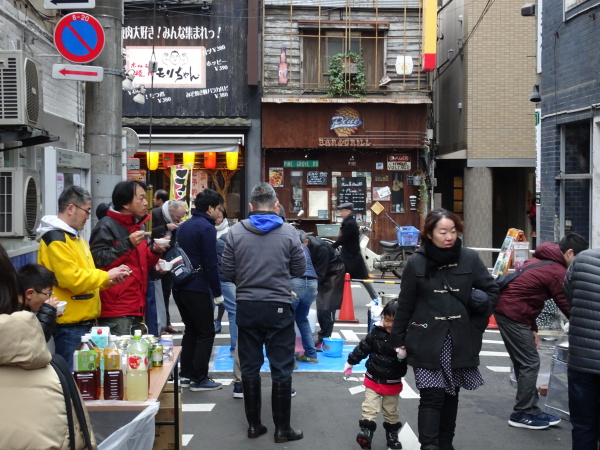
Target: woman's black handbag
(182, 270)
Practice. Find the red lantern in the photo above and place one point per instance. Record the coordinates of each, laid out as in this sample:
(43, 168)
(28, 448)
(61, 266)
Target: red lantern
(210, 160)
(168, 159)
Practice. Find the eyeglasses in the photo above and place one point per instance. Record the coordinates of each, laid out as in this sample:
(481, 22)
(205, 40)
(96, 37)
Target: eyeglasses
(47, 294)
(87, 211)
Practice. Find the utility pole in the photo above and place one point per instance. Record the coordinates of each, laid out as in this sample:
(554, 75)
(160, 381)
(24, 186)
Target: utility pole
(104, 107)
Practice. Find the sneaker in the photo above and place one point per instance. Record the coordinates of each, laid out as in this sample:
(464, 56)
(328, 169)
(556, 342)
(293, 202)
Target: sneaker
(184, 382)
(523, 420)
(319, 346)
(208, 384)
(294, 392)
(306, 359)
(552, 420)
(238, 390)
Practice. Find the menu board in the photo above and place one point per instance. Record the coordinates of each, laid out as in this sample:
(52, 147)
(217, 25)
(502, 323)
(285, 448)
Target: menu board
(316, 178)
(353, 190)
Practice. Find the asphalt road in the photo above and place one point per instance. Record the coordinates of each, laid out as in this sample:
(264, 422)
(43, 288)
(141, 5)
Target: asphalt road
(328, 407)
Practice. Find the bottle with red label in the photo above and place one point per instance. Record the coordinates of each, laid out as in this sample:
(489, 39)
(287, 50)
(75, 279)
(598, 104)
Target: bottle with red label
(137, 368)
(113, 374)
(283, 67)
(85, 370)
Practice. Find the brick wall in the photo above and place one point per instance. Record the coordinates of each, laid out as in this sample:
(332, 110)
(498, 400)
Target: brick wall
(569, 90)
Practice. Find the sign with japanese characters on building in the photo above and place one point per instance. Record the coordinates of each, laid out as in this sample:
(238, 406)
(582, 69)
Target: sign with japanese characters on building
(177, 66)
(398, 162)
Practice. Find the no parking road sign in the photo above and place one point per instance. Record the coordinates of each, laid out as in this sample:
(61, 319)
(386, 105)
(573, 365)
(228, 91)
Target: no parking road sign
(79, 37)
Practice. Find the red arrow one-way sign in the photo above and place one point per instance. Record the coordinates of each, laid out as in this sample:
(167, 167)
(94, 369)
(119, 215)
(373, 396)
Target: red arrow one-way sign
(73, 72)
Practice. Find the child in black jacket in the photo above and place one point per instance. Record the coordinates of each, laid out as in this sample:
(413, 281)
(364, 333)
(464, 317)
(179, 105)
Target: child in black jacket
(37, 282)
(383, 380)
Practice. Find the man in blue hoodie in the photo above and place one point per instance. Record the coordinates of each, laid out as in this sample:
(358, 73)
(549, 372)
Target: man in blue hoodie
(260, 256)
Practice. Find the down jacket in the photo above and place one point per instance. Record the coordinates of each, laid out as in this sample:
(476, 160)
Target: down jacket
(33, 413)
(523, 299)
(427, 311)
(382, 366)
(111, 247)
(582, 287)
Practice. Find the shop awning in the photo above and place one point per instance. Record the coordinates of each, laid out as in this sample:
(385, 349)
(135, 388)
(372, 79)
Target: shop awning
(405, 100)
(195, 143)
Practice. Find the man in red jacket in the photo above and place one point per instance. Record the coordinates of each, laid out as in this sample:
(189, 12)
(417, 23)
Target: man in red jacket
(120, 238)
(519, 305)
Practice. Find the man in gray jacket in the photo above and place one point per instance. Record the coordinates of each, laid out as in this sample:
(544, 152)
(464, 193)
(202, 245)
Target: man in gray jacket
(260, 255)
(582, 289)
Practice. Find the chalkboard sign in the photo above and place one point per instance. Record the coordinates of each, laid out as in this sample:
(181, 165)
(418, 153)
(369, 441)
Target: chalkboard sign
(353, 190)
(316, 178)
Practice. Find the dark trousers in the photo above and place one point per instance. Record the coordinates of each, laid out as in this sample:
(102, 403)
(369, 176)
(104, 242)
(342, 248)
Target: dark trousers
(584, 408)
(437, 418)
(167, 282)
(520, 344)
(197, 311)
(270, 324)
(326, 320)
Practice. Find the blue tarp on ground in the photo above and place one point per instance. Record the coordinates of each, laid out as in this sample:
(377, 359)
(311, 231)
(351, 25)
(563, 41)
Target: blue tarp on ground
(222, 362)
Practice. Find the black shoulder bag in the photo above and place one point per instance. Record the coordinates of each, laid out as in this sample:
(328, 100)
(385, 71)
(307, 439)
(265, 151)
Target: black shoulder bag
(183, 270)
(503, 280)
(72, 400)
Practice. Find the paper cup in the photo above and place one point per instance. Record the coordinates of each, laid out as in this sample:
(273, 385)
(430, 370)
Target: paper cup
(60, 308)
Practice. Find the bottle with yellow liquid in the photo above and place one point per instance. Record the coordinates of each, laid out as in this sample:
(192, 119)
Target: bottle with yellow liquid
(137, 370)
(113, 375)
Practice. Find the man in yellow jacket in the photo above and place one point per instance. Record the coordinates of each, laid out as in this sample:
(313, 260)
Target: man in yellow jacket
(64, 251)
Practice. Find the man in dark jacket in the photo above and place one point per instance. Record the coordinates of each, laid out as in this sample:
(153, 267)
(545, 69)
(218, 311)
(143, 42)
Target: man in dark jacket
(330, 275)
(582, 288)
(518, 306)
(197, 237)
(260, 255)
(349, 240)
(165, 221)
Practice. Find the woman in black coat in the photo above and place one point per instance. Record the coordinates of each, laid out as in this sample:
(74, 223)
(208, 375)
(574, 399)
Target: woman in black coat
(445, 301)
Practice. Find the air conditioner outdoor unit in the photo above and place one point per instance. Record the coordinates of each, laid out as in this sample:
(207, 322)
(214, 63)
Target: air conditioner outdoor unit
(20, 202)
(20, 90)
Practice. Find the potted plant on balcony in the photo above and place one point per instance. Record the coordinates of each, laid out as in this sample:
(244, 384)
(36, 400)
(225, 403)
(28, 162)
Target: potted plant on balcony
(346, 75)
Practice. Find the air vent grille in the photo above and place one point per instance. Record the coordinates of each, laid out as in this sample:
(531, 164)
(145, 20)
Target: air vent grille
(9, 94)
(33, 94)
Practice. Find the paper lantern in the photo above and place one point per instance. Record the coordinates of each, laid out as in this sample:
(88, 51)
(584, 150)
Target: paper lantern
(152, 160)
(232, 160)
(168, 159)
(189, 158)
(210, 160)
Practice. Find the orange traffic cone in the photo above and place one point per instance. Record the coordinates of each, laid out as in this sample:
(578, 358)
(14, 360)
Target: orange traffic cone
(492, 323)
(347, 310)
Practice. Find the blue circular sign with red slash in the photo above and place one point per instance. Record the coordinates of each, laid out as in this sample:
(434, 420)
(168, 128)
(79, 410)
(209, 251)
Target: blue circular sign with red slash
(79, 37)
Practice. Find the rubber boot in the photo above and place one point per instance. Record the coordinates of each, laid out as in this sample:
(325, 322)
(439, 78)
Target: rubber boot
(252, 406)
(281, 404)
(391, 434)
(448, 421)
(430, 409)
(364, 438)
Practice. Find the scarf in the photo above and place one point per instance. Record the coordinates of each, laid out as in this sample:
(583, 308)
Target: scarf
(222, 228)
(437, 256)
(167, 216)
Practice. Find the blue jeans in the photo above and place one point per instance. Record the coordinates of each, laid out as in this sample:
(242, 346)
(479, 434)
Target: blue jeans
(306, 294)
(228, 290)
(584, 408)
(67, 339)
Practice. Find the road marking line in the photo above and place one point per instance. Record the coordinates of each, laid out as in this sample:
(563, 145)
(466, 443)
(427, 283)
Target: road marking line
(492, 341)
(222, 336)
(197, 407)
(408, 438)
(492, 331)
(224, 381)
(499, 369)
(335, 334)
(408, 392)
(357, 389)
(186, 438)
(350, 335)
(488, 353)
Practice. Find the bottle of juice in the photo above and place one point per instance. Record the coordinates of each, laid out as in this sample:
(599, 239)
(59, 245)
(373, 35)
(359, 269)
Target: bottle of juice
(113, 375)
(137, 370)
(84, 370)
(99, 361)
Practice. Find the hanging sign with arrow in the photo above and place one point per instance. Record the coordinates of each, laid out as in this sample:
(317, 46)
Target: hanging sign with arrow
(69, 4)
(73, 72)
